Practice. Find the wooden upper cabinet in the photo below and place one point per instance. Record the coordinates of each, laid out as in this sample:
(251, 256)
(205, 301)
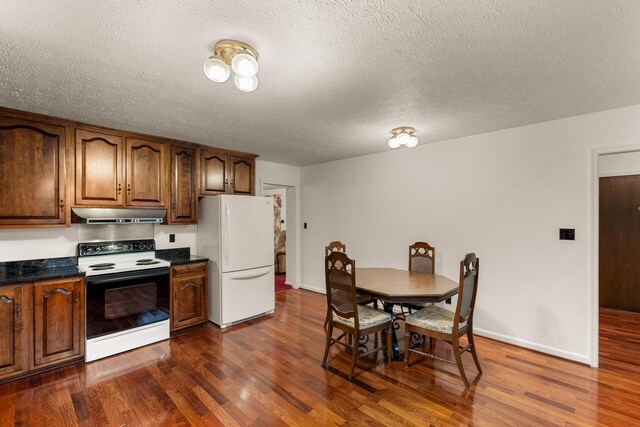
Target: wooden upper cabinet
(99, 159)
(146, 173)
(242, 175)
(213, 172)
(32, 173)
(221, 172)
(14, 333)
(59, 321)
(184, 201)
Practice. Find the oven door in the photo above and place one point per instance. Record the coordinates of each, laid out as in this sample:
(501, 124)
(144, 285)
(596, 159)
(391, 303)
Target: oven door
(121, 301)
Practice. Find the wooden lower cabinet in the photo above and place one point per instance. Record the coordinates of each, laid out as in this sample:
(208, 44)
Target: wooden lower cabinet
(58, 321)
(14, 336)
(189, 285)
(41, 325)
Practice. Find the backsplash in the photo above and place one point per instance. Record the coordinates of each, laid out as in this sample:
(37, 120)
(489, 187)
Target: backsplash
(39, 243)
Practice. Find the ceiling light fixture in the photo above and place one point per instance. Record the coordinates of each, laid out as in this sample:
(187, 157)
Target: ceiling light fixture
(403, 136)
(242, 58)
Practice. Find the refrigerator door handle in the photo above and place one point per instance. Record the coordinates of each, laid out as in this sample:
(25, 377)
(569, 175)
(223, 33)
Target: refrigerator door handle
(227, 232)
(250, 274)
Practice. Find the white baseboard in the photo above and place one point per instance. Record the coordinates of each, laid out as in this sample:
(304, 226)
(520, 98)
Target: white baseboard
(313, 289)
(582, 358)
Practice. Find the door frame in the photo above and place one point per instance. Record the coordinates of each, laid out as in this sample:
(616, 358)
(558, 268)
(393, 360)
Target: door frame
(293, 235)
(594, 294)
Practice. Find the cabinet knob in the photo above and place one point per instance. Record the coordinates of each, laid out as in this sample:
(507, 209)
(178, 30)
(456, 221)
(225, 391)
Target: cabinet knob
(129, 189)
(119, 189)
(61, 205)
(76, 302)
(18, 310)
(173, 206)
(175, 296)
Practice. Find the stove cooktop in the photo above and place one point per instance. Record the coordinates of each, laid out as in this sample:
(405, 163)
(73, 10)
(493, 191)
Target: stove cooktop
(115, 257)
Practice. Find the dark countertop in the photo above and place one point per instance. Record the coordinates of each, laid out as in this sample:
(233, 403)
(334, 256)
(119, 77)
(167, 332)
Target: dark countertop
(179, 256)
(36, 270)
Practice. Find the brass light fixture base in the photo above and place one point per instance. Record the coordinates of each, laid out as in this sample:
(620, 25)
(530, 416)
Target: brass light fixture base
(405, 129)
(227, 49)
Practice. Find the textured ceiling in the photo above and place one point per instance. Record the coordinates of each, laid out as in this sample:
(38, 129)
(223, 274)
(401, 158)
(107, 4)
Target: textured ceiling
(335, 75)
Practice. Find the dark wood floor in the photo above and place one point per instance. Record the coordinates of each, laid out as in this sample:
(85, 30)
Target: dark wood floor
(267, 373)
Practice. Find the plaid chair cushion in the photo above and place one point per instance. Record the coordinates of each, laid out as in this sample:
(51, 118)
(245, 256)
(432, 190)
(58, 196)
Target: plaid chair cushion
(368, 317)
(433, 318)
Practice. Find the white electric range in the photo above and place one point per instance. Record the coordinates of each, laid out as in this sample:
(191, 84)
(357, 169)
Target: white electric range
(127, 296)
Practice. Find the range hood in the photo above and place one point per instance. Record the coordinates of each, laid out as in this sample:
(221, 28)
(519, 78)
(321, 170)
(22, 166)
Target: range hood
(118, 216)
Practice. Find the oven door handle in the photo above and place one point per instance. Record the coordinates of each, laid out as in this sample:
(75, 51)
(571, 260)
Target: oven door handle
(126, 275)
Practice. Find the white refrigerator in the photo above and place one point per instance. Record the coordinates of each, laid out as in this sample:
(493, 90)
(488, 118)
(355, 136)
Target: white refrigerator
(236, 234)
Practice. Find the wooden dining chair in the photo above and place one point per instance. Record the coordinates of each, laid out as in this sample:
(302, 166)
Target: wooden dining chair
(346, 315)
(421, 260)
(337, 246)
(437, 322)
(422, 257)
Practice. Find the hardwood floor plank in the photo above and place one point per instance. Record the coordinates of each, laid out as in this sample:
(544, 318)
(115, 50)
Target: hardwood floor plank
(266, 372)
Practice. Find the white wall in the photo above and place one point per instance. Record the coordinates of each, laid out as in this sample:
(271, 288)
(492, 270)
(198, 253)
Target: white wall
(37, 243)
(268, 173)
(502, 195)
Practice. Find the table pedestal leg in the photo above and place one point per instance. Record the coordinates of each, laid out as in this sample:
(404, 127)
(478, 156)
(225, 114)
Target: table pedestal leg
(388, 307)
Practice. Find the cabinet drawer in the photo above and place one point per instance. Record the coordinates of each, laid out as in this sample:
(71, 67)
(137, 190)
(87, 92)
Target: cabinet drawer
(198, 269)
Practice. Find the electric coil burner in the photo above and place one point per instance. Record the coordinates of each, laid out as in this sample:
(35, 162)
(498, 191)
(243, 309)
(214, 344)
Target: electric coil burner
(127, 296)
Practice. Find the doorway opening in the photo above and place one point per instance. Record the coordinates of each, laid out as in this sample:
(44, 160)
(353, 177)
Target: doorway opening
(616, 290)
(279, 195)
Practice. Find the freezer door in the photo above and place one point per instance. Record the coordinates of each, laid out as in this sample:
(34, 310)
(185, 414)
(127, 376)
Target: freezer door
(247, 294)
(246, 232)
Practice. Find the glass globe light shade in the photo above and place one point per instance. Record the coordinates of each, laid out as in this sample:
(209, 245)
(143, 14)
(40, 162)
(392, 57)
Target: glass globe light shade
(246, 84)
(403, 138)
(393, 143)
(216, 69)
(244, 65)
(412, 142)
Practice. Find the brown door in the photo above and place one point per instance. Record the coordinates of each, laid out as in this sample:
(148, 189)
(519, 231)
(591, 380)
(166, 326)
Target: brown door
(213, 172)
(32, 173)
(242, 171)
(145, 173)
(620, 243)
(13, 330)
(99, 169)
(59, 324)
(183, 186)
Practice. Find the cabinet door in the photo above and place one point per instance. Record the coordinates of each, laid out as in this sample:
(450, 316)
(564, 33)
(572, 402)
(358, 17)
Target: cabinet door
(242, 175)
(99, 161)
(183, 186)
(13, 330)
(32, 173)
(189, 289)
(146, 173)
(213, 172)
(59, 321)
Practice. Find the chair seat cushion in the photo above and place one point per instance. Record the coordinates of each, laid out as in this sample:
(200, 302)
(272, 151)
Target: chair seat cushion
(433, 318)
(368, 317)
